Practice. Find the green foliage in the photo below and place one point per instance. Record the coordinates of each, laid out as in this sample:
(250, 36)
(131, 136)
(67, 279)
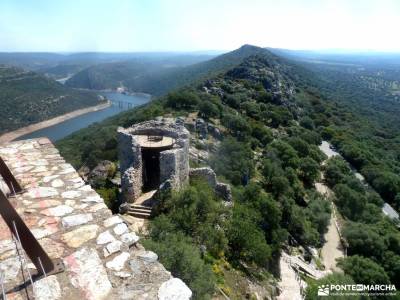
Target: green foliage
(336, 170)
(196, 212)
(183, 259)
(234, 161)
(363, 270)
(182, 100)
(309, 170)
(110, 196)
(237, 125)
(262, 133)
(208, 110)
(364, 240)
(319, 212)
(351, 202)
(246, 240)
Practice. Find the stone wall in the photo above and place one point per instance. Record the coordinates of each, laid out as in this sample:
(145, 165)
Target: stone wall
(102, 255)
(223, 190)
(174, 163)
(130, 160)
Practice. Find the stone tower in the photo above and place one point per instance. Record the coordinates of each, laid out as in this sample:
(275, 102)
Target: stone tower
(153, 153)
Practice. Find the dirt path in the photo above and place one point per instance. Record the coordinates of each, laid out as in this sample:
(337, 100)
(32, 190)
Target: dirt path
(332, 248)
(289, 285)
(10, 136)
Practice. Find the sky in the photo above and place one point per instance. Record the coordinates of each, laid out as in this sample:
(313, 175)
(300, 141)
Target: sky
(197, 25)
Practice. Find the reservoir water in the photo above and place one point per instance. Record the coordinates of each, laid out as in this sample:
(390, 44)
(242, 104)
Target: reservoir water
(120, 102)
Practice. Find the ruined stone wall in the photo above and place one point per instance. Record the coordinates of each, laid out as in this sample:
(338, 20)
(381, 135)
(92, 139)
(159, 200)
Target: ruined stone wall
(130, 159)
(223, 190)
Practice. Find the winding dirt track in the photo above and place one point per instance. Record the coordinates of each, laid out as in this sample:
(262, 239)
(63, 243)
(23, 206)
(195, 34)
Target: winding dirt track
(12, 135)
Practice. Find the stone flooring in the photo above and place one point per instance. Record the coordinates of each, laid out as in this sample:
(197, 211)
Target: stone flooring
(102, 256)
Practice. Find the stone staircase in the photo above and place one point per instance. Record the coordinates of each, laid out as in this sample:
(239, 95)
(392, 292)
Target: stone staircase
(142, 206)
(139, 211)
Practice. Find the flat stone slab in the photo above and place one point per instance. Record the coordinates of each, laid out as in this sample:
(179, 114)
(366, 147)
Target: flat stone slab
(88, 274)
(76, 220)
(47, 288)
(81, 235)
(174, 289)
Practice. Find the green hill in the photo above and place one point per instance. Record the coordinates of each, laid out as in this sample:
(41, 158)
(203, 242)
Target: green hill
(157, 77)
(273, 118)
(27, 97)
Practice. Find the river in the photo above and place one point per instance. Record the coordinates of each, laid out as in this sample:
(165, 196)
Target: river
(120, 102)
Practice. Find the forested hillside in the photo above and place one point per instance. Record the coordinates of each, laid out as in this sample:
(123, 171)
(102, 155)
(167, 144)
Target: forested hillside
(27, 98)
(361, 117)
(157, 77)
(272, 121)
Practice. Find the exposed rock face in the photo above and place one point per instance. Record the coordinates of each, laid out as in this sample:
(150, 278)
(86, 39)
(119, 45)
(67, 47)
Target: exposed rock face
(223, 190)
(173, 158)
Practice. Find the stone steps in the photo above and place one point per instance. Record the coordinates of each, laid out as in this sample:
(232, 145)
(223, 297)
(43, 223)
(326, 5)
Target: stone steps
(139, 211)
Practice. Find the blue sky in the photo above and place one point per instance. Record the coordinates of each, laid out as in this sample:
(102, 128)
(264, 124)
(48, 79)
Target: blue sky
(190, 25)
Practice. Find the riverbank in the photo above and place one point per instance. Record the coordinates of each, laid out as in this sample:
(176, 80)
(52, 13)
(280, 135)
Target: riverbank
(12, 135)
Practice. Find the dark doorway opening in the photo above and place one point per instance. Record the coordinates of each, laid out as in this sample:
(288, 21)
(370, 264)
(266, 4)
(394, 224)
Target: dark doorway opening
(151, 169)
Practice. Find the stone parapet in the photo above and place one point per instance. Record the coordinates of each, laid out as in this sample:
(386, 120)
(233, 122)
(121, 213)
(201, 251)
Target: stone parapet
(102, 256)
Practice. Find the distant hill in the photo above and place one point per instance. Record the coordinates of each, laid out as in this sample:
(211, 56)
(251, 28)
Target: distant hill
(27, 97)
(157, 78)
(61, 65)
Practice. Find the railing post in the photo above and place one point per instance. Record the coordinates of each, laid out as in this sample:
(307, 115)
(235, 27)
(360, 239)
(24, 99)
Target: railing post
(9, 179)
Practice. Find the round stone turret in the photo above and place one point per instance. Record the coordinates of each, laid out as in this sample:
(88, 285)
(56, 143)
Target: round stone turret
(151, 153)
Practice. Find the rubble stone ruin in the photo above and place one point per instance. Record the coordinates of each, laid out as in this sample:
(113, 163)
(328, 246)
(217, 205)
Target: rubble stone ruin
(153, 153)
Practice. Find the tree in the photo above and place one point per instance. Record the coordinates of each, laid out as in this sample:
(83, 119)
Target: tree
(234, 161)
(262, 133)
(363, 240)
(237, 125)
(335, 171)
(307, 122)
(319, 212)
(182, 100)
(208, 110)
(183, 259)
(363, 270)
(309, 170)
(350, 202)
(246, 240)
(286, 154)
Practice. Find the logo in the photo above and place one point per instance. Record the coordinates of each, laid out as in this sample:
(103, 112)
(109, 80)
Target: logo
(356, 289)
(323, 290)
